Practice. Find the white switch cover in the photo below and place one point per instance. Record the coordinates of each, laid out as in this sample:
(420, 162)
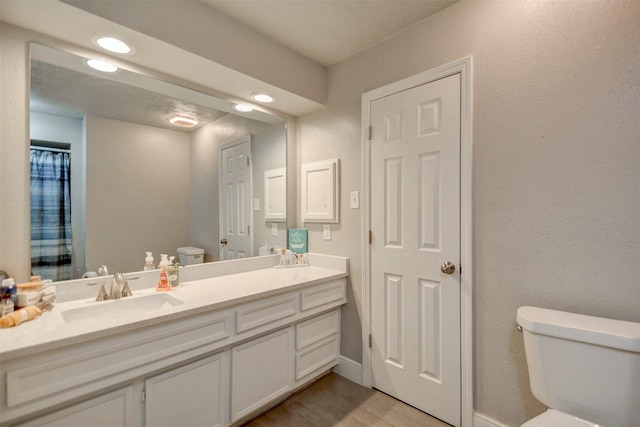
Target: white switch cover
(256, 205)
(274, 229)
(326, 232)
(355, 200)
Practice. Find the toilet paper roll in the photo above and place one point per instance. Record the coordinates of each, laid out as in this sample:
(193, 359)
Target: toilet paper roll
(89, 274)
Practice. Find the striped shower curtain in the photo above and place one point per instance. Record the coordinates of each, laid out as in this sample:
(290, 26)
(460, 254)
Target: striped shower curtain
(51, 215)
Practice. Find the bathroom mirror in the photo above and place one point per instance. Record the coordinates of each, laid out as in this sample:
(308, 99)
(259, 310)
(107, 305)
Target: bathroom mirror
(137, 182)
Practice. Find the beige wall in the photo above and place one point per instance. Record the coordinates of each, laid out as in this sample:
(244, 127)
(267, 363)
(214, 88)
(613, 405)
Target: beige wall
(268, 151)
(555, 167)
(556, 149)
(14, 153)
(137, 193)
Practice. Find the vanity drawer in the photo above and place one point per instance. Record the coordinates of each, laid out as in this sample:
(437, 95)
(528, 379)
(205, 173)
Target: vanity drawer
(317, 328)
(77, 370)
(111, 409)
(323, 294)
(262, 313)
(319, 355)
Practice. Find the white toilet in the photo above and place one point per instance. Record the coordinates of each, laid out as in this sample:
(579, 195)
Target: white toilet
(190, 255)
(585, 369)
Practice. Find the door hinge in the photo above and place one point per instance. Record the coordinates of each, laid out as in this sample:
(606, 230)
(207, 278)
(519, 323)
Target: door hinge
(144, 395)
(247, 161)
(370, 133)
(248, 229)
(370, 341)
(460, 268)
(370, 236)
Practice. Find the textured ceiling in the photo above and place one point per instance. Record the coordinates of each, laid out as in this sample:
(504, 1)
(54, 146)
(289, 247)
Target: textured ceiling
(63, 92)
(328, 31)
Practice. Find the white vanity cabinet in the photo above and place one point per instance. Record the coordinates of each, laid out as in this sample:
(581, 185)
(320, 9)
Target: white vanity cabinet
(206, 368)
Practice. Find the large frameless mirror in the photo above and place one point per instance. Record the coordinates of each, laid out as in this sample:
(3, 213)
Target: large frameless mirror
(112, 178)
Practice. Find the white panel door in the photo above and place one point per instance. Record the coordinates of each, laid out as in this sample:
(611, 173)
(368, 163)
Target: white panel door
(415, 220)
(235, 203)
(194, 395)
(261, 371)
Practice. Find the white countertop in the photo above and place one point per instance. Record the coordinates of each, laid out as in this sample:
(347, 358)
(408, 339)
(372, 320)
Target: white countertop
(50, 330)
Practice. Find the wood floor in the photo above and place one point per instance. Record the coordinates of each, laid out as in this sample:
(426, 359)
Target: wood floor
(336, 401)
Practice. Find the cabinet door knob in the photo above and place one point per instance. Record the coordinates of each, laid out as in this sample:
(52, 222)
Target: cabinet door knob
(448, 268)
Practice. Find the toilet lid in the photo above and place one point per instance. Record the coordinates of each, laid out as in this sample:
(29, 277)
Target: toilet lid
(553, 418)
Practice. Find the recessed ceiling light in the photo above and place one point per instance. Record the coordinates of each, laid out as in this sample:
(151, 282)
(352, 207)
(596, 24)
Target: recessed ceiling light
(184, 121)
(262, 97)
(113, 44)
(243, 107)
(100, 65)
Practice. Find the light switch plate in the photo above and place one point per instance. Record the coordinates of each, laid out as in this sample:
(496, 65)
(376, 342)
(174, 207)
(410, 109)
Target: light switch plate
(274, 229)
(256, 205)
(355, 200)
(326, 231)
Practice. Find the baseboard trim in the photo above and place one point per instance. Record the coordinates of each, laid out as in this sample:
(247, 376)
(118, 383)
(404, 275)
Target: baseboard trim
(349, 369)
(480, 420)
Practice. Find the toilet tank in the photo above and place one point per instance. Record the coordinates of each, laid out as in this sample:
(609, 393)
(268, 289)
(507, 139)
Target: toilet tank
(582, 365)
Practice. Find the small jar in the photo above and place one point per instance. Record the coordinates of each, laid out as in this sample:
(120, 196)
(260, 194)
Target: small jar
(6, 306)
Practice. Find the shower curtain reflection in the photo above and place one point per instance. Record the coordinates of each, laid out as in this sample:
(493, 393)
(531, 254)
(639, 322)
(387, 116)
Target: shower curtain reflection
(50, 214)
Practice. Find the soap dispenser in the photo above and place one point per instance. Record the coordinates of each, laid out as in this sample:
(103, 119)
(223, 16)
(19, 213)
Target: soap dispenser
(164, 261)
(163, 283)
(148, 262)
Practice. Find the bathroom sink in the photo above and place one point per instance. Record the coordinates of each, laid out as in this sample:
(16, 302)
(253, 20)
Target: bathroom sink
(121, 308)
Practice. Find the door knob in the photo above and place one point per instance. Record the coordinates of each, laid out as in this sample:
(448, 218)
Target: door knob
(223, 241)
(448, 268)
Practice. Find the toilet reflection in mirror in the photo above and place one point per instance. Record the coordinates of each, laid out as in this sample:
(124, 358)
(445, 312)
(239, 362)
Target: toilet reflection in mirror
(137, 182)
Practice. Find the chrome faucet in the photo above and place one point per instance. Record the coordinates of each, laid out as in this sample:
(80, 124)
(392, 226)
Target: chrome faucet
(116, 286)
(119, 288)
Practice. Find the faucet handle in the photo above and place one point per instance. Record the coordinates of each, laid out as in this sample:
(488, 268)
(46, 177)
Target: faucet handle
(102, 294)
(126, 291)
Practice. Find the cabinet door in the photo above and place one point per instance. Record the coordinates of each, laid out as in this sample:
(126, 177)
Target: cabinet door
(193, 395)
(113, 409)
(262, 370)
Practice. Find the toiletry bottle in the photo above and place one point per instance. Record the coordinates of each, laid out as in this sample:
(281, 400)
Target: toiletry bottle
(164, 261)
(163, 283)
(148, 262)
(6, 306)
(174, 273)
(11, 289)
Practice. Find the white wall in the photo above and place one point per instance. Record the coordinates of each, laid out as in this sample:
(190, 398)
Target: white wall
(556, 178)
(137, 193)
(269, 152)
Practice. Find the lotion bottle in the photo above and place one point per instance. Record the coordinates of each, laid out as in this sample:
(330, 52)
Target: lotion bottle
(174, 273)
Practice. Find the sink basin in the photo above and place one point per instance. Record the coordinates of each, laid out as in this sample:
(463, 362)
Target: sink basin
(121, 308)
